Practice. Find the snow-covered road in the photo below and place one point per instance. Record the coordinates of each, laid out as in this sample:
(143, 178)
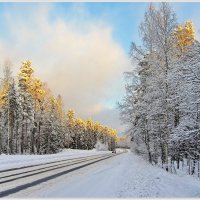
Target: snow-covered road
(17, 179)
(125, 175)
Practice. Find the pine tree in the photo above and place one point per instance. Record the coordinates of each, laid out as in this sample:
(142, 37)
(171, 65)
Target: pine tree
(26, 101)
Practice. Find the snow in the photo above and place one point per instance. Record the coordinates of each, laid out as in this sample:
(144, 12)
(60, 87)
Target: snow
(124, 175)
(10, 161)
(99, 146)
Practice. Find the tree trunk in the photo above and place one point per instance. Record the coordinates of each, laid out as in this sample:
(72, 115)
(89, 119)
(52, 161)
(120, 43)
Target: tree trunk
(193, 167)
(178, 162)
(22, 138)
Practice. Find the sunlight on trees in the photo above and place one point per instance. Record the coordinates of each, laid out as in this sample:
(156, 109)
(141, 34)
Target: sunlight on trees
(185, 35)
(33, 121)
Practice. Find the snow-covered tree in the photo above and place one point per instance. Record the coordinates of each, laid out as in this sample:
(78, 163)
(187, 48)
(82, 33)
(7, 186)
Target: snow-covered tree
(185, 83)
(25, 81)
(161, 104)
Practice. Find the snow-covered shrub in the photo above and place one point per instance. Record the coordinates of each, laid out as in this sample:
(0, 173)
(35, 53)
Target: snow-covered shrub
(99, 146)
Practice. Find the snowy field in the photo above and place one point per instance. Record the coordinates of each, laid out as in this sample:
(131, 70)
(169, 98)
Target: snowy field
(125, 175)
(10, 161)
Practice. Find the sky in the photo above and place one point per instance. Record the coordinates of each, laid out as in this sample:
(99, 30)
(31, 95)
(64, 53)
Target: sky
(80, 49)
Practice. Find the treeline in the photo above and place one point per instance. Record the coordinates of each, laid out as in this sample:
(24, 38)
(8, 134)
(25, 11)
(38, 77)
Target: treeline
(162, 101)
(33, 121)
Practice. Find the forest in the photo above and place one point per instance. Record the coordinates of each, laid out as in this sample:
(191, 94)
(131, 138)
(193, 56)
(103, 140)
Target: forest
(162, 101)
(34, 121)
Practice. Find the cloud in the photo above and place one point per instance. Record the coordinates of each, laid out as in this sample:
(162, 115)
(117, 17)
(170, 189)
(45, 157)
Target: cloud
(111, 119)
(76, 56)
